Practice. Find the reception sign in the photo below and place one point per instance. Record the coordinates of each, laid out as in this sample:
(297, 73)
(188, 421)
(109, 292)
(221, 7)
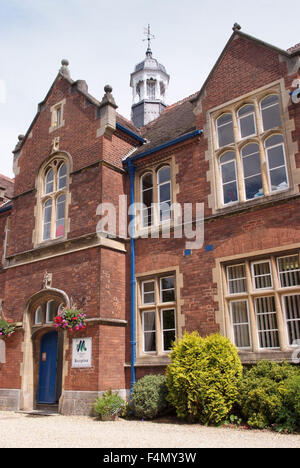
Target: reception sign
(82, 352)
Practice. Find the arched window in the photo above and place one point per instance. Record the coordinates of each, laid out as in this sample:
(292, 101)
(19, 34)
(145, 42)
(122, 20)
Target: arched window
(224, 127)
(246, 120)
(164, 193)
(54, 200)
(147, 199)
(151, 84)
(270, 112)
(274, 148)
(227, 164)
(252, 171)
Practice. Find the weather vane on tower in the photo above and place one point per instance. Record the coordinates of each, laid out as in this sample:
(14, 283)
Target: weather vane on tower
(148, 38)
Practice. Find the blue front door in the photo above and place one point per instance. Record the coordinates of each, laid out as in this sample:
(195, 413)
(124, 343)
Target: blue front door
(47, 374)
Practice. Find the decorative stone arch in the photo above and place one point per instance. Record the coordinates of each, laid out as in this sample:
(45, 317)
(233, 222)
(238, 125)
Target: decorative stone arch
(31, 343)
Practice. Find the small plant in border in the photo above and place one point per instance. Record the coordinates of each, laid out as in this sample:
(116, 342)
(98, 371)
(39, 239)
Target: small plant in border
(70, 318)
(7, 328)
(109, 406)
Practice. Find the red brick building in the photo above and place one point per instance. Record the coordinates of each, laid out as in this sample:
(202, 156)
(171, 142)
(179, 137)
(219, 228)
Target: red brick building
(232, 148)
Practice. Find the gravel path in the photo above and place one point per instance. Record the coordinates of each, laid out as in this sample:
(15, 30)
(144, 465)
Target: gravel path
(23, 431)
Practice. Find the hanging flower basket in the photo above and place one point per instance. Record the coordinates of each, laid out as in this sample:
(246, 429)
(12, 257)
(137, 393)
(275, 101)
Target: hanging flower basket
(7, 328)
(72, 319)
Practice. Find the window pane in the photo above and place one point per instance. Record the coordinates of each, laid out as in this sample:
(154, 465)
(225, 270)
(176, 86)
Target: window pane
(226, 157)
(270, 112)
(267, 322)
(62, 177)
(225, 130)
(51, 311)
(60, 216)
(252, 171)
(228, 172)
(149, 331)
(247, 121)
(262, 275)
(240, 323)
(164, 174)
(49, 181)
(148, 292)
(292, 316)
(289, 271)
(253, 187)
(236, 279)
(165, 192)
(230, 193)
(147, 199)
(276, 162)
(167, 289)
(168, 327)
(278, 179)
(149, 342)
(39, 315)
(47, 220)
(276, 157)
(149, 321)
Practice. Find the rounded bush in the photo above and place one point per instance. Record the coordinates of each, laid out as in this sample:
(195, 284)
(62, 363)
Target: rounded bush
(203, 377)
(149, 397)
(269, 395)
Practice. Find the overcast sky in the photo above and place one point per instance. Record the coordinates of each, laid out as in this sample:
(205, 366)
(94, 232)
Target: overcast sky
(102, 40)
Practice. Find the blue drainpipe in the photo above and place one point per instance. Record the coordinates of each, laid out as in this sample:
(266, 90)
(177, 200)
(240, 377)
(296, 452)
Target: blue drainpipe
(131, 169)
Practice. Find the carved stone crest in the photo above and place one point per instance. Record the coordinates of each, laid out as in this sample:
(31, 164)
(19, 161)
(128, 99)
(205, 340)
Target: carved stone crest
(47, 281)
(55, 145)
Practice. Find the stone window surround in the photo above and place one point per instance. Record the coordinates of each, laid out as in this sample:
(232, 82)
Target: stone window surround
(160, 356)
(215, 199)
(60, 157)
(53, 109)
(223, 298)
(153, 167)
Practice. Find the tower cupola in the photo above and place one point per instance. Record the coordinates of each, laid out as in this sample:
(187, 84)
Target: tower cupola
(149, 83)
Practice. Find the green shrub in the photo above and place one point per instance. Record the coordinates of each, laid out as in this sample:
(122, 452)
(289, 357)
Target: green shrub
(289, 416)
(203, 378)
(149, 397)
(267, 394)
(110, 404)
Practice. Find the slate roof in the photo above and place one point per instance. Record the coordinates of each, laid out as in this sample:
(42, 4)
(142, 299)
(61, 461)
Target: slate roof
(176, 120)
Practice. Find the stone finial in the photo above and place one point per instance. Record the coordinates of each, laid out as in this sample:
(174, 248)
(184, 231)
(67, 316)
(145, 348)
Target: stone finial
(236, 27)
(19, 144)
(108, 98)
(107, 113)
(64, 70)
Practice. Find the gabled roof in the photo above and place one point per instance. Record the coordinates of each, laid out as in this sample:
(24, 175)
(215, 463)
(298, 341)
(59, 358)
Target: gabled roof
(236, 31)
(120, 119)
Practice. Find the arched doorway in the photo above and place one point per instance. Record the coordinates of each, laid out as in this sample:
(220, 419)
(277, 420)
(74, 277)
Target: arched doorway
(43, 363)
